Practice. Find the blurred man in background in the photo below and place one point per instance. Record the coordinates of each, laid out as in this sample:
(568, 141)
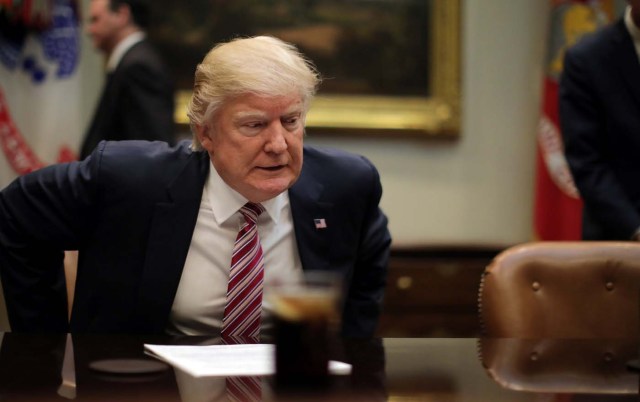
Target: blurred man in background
(600, 120)
(137, 100)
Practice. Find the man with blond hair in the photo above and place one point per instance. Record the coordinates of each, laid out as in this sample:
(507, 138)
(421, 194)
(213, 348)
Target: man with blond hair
(157, 227)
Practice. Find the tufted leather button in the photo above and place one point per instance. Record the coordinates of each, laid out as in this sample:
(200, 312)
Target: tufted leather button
(534, 356)
(535, 286)
(609, 285)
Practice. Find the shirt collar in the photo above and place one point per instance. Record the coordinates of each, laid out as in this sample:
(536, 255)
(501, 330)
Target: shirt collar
(225, 201)
(121, 48)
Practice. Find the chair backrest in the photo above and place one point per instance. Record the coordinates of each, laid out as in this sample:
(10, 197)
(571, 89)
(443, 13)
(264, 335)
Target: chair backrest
(562, 290)
(566, 366)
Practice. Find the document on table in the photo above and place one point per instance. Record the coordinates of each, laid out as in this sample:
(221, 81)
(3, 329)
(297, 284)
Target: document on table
(226, 360)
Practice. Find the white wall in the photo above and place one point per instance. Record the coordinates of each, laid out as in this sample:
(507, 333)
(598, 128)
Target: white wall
(478, 189)
(91, 70)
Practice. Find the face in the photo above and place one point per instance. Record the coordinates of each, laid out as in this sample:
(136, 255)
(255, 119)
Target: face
(104, 25)
(255, 144)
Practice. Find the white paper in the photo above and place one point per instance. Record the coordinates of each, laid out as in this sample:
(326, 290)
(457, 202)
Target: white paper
(226, 360)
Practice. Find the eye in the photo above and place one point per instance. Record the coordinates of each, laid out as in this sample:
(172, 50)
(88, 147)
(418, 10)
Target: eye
(254, 124)
(291, 121)
(251, 128)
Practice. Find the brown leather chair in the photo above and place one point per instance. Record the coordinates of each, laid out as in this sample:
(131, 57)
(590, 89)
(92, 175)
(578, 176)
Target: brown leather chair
(566, 366)
(562, 290)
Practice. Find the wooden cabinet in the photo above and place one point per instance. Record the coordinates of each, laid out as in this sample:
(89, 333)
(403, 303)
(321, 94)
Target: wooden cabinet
(434, 291)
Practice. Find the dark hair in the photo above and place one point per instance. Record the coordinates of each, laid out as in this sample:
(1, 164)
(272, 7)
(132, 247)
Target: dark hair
(139, 10)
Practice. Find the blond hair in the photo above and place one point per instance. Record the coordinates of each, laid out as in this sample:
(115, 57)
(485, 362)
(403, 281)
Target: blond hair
(261, 65)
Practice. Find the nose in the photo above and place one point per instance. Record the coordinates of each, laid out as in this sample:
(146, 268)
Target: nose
(276, 142)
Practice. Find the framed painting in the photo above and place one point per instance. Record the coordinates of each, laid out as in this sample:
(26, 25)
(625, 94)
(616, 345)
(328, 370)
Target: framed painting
(388, 67)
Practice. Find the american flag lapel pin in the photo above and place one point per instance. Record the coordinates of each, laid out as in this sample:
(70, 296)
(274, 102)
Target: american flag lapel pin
(320, 223)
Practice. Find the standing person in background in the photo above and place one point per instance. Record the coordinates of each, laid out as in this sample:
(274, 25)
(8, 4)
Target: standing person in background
(600, 121)
(137, 100)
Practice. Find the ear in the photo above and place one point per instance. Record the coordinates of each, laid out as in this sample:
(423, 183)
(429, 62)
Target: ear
(203, 132)
(124, 14)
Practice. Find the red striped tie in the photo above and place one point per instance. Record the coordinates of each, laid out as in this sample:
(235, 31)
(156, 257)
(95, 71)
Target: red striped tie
(245, 388)
(244, 293)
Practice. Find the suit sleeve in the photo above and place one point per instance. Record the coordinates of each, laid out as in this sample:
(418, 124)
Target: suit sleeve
(583, 128)
(364, 302)
(41, 215)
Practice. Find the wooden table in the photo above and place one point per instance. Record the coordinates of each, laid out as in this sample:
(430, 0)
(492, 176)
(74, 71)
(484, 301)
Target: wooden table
(33, 368)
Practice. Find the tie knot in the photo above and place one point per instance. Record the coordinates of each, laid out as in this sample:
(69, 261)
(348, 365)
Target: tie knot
(251, 211)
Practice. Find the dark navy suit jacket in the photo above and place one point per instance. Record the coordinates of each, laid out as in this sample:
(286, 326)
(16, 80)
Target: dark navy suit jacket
(600, 122)
(136, 103)
(131, 209)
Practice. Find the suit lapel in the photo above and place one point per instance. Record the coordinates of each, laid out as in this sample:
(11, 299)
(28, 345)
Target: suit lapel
(314, 243)
(169, 239)
(626, 59)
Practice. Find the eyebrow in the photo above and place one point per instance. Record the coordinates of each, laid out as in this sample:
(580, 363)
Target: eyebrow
(252, 114)
(257, 114)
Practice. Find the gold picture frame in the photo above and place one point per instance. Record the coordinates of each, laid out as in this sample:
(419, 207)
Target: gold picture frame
(434, 116)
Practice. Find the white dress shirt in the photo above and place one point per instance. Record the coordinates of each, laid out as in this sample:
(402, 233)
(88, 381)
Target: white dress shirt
(201, 297)
(121, 48)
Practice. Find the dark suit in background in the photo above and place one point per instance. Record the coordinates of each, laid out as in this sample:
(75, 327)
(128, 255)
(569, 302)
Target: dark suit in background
(131, 209)
(137, 101)
(600, 120)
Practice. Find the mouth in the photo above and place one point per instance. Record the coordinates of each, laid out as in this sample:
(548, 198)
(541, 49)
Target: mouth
(275, 168)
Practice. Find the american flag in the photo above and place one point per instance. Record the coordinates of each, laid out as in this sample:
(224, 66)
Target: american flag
(320, 223)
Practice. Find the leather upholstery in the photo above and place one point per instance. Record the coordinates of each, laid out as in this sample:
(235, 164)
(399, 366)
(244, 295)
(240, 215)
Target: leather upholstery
(575, 366)
(562, 290)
